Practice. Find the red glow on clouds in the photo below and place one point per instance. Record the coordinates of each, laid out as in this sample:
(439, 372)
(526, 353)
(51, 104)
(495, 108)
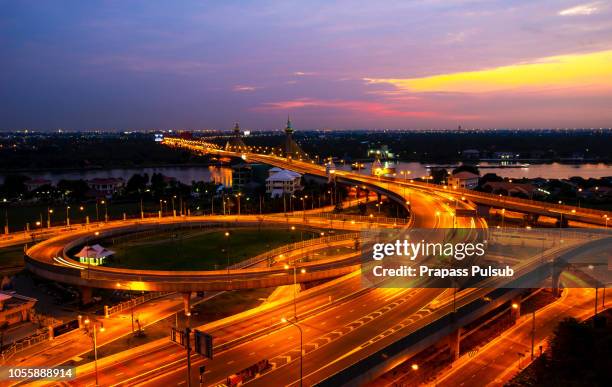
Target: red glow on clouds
(365, 107)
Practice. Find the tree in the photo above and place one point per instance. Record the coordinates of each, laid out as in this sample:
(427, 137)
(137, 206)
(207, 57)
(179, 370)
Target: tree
(14, 185)
(137, 183)
(439, 175)
(158, 183)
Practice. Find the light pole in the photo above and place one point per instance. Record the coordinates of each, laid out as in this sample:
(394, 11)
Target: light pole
(49, 212)
(227, 235)
(105, 210)
(95, 329)
(131, 303)
(68, 216)
(295, 324)
(302, 271)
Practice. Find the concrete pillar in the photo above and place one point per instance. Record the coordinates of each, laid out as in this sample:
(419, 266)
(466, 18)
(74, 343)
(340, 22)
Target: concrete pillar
(454, 341)
(515, 308)
(106, 315)
(483, 211)
(85, 295)
(556, 276)
(87, 219)
(50, 330)
(187, 303)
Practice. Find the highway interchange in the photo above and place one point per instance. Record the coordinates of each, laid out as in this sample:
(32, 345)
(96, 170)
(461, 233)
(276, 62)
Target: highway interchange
(341, 320)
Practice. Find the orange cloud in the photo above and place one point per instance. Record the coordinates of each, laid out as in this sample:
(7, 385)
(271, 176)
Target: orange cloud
(591, 72)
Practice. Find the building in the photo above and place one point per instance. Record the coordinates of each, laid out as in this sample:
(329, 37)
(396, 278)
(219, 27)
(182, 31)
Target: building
(507, 188)
(283, 182)
(506, 156)
(106, 186)
(383, 152)
(463, 179)
(15, 308)
(470, 154)
(34, 184)
(93, 255)
(247, 176)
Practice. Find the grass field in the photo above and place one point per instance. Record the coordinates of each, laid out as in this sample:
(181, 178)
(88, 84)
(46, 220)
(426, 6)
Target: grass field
(200, 250)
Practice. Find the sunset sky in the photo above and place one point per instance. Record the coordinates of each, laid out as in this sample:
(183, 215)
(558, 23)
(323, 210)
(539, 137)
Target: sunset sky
(343, 64)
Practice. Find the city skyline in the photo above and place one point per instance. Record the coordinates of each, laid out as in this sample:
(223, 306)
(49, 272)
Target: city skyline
(417, 65)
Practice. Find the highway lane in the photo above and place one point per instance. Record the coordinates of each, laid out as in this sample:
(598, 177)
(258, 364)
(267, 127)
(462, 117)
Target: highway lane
(497, 361)
(243, 355)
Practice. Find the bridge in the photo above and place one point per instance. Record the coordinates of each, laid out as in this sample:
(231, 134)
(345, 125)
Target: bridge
(485, 200)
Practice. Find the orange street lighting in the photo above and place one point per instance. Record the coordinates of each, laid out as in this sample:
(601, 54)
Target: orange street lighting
(515, 305)
(414, 367)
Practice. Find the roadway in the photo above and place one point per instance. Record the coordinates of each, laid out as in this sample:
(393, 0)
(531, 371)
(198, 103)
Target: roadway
(49, 259)
(498, 361)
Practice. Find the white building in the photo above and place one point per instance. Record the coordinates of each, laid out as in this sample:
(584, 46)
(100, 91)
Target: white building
(463, 179)
(107, 187)
(282, 181)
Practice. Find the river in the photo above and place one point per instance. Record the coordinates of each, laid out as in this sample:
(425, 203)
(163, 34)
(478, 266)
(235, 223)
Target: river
(223, 175)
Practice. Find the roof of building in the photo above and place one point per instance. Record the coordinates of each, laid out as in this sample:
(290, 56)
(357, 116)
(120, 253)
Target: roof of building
(284, 175)
(464, 175)
(511, 187)
(95, 251)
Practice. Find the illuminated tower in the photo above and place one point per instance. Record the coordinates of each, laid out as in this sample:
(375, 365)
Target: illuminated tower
(235, 142)
(291, 148)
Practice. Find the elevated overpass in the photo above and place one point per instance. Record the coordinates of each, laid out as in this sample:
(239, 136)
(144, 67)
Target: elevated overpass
(50, 259)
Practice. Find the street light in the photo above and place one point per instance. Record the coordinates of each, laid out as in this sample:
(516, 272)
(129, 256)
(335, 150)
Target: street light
(284, 320)
(105, 210)
(302, 271)
(227, 234)
(131, 303)
(49, 212)
(68, 216)
(96, 326)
